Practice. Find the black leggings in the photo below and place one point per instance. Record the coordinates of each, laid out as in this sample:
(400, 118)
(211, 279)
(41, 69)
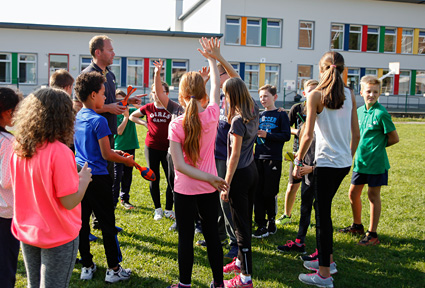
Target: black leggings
(241, 196)
(307, 198)
(326, 184)
(153, 158)
(186, 208)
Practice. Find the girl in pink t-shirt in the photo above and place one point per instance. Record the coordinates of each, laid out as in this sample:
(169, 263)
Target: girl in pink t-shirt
(48, 189)
(192, 139)
(9, 245)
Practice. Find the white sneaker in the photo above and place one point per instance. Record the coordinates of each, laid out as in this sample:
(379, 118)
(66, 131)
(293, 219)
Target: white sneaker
(158, 214)
(115, 276)
(170, 214)
(87, 273)
(316, 279)
(314, 265)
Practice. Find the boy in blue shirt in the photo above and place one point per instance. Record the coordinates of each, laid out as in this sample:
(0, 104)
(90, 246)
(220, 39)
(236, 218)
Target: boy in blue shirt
(92, 146)
(274, 131)
(371, 164)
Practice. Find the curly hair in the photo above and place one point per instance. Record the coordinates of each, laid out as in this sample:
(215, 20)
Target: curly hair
(45, 115)
(88, 83)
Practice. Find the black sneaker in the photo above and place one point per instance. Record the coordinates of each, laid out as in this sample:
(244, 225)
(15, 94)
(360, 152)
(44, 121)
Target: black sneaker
(272, 227)
(261, 232)
(203, 243)
(311, 257)
(358, 229)
(292, 246)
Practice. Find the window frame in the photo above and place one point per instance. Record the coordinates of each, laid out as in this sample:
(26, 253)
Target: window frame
(232, 24)
(27, 62)
(342, 36)
(373, 33)
(421, 85)
(152, 71)
(9, 60)
(404, 38)
(423, 42)
(306, 29)
(301, 79)
(55, 69)
(173, 67)
(359, 36)
(394, 39)
(140, 66)
(356, 89)
(259, 31)
(277, 85)
(408, 83)
(274, 27)
(252, 70)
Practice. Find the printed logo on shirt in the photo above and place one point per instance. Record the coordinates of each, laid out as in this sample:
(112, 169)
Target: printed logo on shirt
(267, 123)
(160, 116)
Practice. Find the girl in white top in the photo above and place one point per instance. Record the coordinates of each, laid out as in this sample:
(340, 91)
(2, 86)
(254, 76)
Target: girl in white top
(332, 114)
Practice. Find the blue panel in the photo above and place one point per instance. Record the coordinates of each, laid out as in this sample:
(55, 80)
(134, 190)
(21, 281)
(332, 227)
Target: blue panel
(362, 72)
(242, 70)
(124, 71)
(346, 36)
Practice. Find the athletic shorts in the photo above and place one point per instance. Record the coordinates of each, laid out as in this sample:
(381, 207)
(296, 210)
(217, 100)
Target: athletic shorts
(292, 180)
(372, 180)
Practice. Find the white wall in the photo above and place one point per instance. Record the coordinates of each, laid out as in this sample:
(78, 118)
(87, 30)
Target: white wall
(206, 18)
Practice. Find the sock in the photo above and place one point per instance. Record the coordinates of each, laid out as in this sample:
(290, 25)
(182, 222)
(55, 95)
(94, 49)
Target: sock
(322, 276)
(245, 279)
(298, 241)
(184, 285)
(357, 226)
(373, 234)
(238, 262)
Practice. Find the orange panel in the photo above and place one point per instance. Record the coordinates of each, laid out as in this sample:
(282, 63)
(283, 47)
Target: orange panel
(399, 36)
(243, 31)
(345, 75)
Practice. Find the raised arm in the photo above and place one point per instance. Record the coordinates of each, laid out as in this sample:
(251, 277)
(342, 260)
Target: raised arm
(210, 48)
(162, 97)
(124, 122)
(136, 118)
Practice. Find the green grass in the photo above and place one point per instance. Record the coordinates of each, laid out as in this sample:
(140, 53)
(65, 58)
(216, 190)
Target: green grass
(150, 250)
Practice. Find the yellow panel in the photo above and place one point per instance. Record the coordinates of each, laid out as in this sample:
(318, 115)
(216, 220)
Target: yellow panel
(380, 73)
(262, 74)
(415, 41)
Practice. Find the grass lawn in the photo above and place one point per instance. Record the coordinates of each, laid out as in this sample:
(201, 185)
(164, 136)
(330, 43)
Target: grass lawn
(150, 250)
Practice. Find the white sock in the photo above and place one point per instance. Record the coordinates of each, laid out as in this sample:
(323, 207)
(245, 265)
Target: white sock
(185, 285)
(245, 278)
(238, 262)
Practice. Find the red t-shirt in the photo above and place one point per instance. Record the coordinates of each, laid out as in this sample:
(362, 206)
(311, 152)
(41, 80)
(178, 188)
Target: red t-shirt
(158, 120)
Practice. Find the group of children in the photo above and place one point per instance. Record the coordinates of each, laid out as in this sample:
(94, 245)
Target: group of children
(41, 182)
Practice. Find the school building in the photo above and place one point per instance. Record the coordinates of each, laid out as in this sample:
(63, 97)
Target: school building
(273, 41)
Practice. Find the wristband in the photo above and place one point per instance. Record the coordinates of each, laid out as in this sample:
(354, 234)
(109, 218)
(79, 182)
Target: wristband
(298, 162)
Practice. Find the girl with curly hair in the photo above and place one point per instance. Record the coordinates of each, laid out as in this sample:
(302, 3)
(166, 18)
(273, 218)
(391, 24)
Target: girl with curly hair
(48, 189)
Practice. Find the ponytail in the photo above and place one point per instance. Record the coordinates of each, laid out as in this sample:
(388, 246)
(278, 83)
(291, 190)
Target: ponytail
(192, 130)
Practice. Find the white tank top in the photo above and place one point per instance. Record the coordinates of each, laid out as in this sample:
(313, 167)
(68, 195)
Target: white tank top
(333, 135)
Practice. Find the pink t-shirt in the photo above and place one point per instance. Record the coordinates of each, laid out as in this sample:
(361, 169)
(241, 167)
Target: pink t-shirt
(209, 120)
(39, 218)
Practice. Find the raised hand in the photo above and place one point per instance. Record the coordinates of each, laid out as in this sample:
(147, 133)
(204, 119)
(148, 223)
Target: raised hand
(158, 65)
(205, 73)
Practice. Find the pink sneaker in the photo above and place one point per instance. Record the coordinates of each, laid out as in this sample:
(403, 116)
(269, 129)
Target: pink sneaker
(237, 283)
(231, 267)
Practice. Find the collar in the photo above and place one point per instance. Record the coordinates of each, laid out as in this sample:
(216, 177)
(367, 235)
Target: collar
(97, 68)
(374, 106)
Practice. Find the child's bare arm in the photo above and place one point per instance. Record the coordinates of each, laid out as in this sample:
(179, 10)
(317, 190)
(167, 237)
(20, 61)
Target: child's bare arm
(110, 155)
(162, 97)
(72, 200)
(392, 138)
(136, 118)
(123, 124)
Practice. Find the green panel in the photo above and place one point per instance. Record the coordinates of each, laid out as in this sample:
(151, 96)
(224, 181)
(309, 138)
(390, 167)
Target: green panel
(168, 71)
(381, 39)
(14, 68)
(413, 83)
(264, 32)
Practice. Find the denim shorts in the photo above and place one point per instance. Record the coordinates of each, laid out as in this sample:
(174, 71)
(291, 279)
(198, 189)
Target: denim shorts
(372, 180)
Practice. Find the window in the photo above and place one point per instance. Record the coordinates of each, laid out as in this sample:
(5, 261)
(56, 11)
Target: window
(355, 40)
(420, 82)
(421, 42)
(233, 31)
(27, 68)
(251, 76)
(387, 83)
(372, 38)
(305, 35)
(390, 40)
(404, 83)
(353, 79)
(178, 68)
(85, 62)
(273, 33)
(372, 72)
(134, 72)
(236, 67)
(304, 73)
(337, 37)
(253, 32)
(272, 75)
(407, 41)
(57, 62)
(152, 71)
(116, 69)
(5, 68)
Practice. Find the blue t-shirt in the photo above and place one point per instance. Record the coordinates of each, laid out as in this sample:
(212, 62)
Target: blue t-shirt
(89, 128)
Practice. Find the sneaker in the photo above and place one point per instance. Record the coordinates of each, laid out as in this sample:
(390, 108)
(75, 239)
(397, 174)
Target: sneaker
(237, 283)
(368, 240)
(87, 272)
(261, 232)
(316, 279)
(283, 220)
(353, 230)
(170, 214)
(311, 257)
(272, 227)
(173, 227)
(158, 214)
(203, 243)
(292, 246)
(233, 252)
(127, 205)
(314, 265)
(177, 286)
(115, 276)
(92, 237)
(231, 267)
(215, 285)
(119, 229)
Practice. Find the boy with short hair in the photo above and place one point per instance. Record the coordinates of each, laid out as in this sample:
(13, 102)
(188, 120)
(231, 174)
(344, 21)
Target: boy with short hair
(62, 79)
(274, 131)
(371, 164)
(92, 146)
